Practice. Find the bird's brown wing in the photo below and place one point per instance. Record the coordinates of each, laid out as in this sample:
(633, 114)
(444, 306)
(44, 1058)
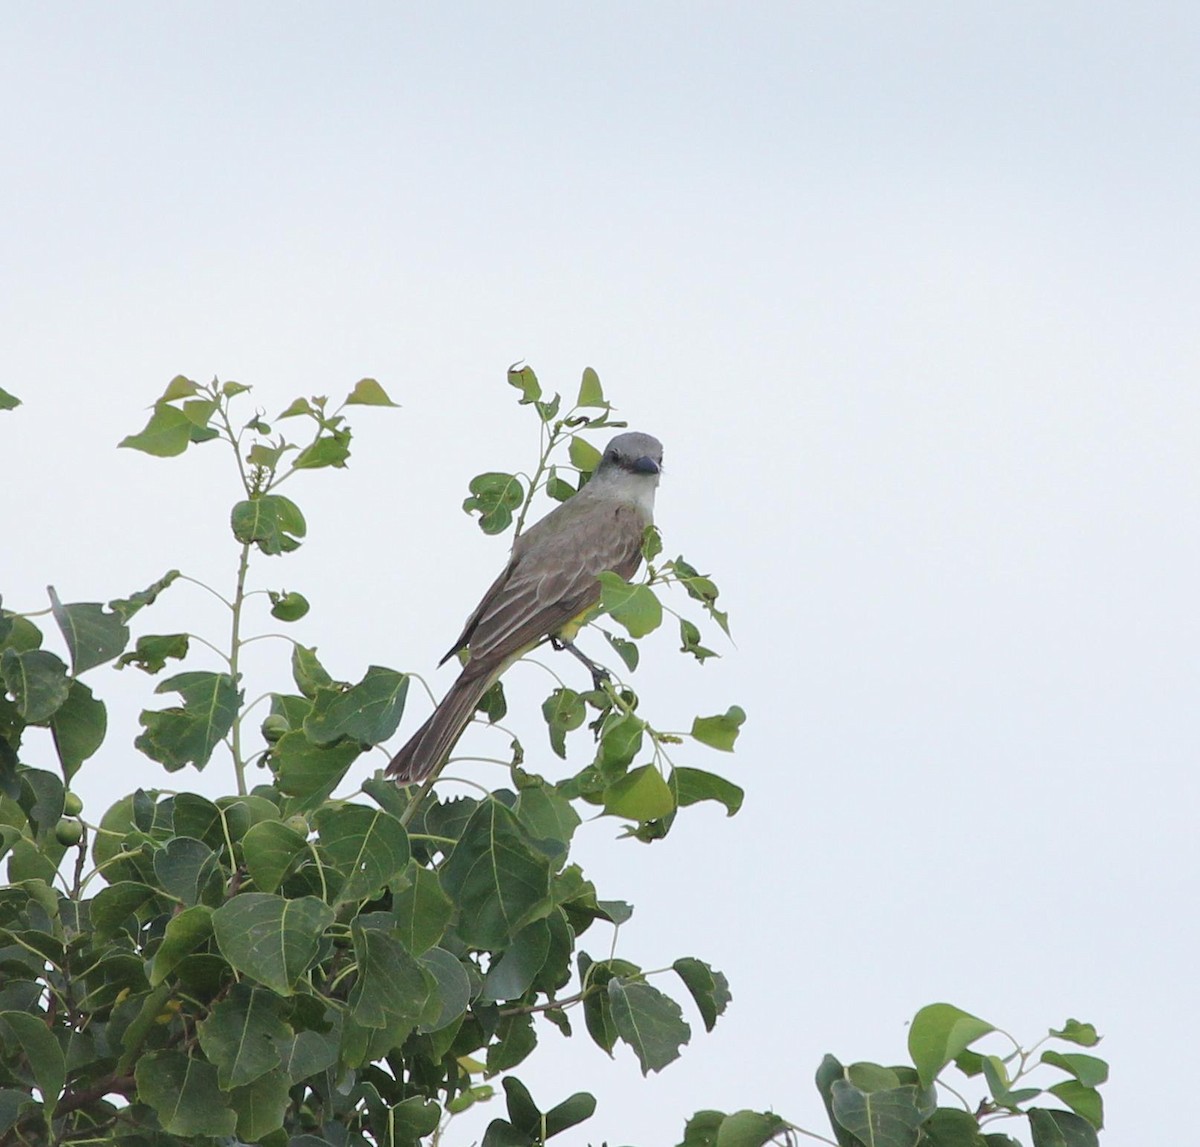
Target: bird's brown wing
(553, 578)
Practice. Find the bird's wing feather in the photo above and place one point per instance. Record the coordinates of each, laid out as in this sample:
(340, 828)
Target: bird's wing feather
(554, 578)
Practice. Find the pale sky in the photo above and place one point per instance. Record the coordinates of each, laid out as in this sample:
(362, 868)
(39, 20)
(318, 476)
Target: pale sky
(909, 292)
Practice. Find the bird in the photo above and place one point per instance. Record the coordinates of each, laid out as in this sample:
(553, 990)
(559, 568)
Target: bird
(547, 589)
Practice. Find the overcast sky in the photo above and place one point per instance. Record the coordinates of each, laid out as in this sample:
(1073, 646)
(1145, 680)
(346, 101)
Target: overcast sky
(909, 292)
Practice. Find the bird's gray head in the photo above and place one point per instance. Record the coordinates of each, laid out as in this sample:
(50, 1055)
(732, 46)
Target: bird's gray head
(632, 453)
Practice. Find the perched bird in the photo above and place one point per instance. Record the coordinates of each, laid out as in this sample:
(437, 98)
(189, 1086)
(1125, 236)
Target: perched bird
(547, 589)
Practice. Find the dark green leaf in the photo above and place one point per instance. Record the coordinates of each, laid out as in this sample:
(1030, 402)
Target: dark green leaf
(183, 935)
(184, 1093)
(308, 673)
(889, 1118)
(166, 434)
(516, 1040)
(270, 847)
(126, 607)
(1081, 1099)
(626, 649)
(367, 846)
(151, 652)
(269, 938)
(391, 989)
(452, 996)
(689, 635)
(367, 392)
(949, 1127)
(1051, 1128)
(720, 732)
(28, 1031)
(36, 681)
(189, 733)
(422, 910)
(649, 1021)
(497, 877)
(694, 785)
(558, 488)
(571, 1111)
(78, 725)
(261, 1106)
(368, 713)
(709, 988)
(92, 635)
(183, 867)
(511, 976)
(271, 522)
(307, 772)
(242, 1035)
(633, 606)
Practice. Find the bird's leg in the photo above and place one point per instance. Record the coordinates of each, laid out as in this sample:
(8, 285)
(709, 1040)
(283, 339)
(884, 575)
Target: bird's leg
(599, 674)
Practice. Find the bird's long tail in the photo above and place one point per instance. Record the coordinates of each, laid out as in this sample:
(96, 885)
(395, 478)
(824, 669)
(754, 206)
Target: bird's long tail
(431, 744)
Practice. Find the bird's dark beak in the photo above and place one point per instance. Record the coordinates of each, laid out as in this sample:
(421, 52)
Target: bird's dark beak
(645, 465)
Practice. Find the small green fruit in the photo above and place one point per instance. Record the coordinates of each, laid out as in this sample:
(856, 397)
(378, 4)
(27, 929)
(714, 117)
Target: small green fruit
(68, 832)
(72, 805)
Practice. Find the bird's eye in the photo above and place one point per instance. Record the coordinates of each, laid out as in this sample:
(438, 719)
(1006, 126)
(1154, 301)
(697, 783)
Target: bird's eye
(611, 456)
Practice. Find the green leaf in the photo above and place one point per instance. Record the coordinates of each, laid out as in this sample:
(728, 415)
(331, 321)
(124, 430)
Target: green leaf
(513, 974)
(8, 401)
(949, 1127)
(620, 742)
(261, 1107)
(452, 995)
(92, 635)
(651, 543)
(269, 938)
(297, 407)
(1088, 1069)
(1079, 1033)
(938, 1033)
(633, 606)
(330, 449)
(422, 910)
(28, 1031)
(559, 488)
(242, 1034)
(889, 1118)
(709, 988)
(720, 732)
(649, 1021)
(367, 846)
(152, 651)
(36, 681)
(1061, 1129)
(640, 795)
(590, 392)
(271, 522)
(189, 733)
(184, 1093)
(308, 772)
(367, 392)
(547, 814)
(516, 1040)
(79, 726)
(368, 713)
(392, 988)
(694, 785)
(570, 1112)
(308, 673)
(526, 382)
(269, 848)
(179, 387)
(498, 878)
(584, 456)
(564, 711)
(126, 607)
(1081, 1099)
(233, 389)
(689, 636)
(626, 650)
(166, 434)
(288, 606)
(741, 1129)
(183, 935)
(494, 497)
(183, 867)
